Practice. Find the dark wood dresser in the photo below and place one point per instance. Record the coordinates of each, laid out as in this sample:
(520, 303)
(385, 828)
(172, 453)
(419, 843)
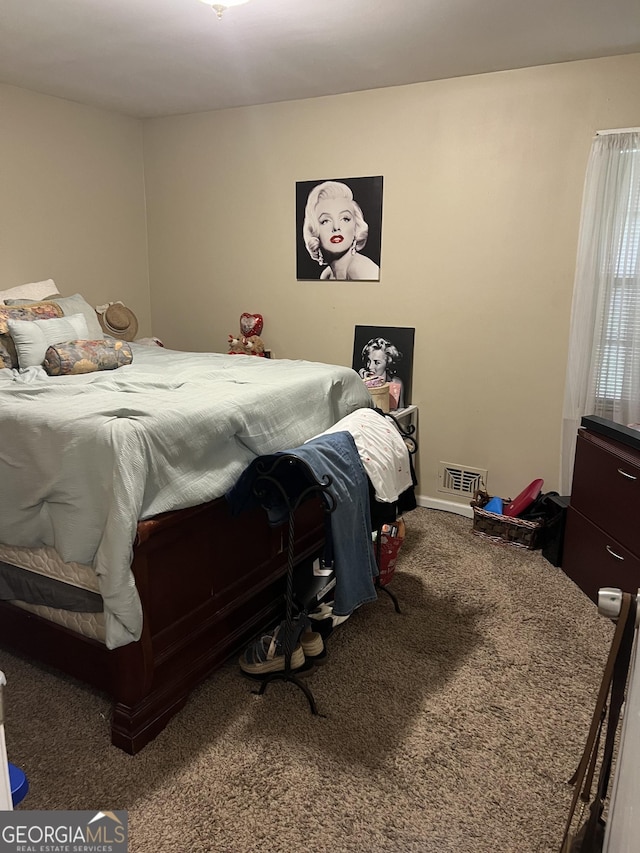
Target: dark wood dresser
(602, 535)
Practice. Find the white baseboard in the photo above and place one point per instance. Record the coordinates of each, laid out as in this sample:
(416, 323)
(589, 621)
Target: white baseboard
(445, 506)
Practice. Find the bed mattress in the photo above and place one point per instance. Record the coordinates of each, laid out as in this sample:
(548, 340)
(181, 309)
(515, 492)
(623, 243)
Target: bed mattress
(48, 563)
(23, 568)
(90, 625)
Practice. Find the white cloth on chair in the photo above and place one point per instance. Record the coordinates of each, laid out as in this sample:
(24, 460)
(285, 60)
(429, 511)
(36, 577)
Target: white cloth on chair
(382, 451)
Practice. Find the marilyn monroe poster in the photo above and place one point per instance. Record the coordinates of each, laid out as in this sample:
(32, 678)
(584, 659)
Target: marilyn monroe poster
(339, 229)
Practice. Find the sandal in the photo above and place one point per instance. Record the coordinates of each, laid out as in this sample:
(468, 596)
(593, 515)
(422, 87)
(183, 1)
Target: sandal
(313, 645)
(267, 654)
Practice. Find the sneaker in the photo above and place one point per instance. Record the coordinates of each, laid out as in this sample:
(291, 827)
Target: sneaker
(267, 655)
(325, 612)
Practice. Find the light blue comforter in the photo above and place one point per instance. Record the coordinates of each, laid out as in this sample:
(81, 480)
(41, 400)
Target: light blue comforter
(83, 458)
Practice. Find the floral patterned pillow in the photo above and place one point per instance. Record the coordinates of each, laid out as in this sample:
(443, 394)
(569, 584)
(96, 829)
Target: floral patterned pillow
(33, 311)
(73, 357)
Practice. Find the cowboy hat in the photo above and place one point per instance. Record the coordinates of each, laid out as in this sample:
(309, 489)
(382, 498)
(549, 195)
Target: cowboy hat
(119, 321)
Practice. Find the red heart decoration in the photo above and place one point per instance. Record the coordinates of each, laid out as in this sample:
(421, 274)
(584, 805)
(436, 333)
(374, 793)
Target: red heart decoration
(251, 324)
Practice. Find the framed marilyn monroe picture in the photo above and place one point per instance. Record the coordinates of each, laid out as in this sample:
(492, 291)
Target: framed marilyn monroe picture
(339, 229)
(386, 352)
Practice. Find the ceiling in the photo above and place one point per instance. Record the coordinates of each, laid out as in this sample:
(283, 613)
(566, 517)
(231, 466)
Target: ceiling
(163, 57)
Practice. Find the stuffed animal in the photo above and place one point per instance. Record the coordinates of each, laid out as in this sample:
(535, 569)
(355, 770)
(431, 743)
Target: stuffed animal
(248, 342)
(235, 345)
(253, 345)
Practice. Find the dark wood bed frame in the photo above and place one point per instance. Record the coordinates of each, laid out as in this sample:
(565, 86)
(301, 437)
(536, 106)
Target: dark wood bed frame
(208, 583)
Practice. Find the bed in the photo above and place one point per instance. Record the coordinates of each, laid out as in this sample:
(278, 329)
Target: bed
(113, 487)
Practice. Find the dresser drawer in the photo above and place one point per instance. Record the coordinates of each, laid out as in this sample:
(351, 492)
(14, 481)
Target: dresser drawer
(592, 559)
(606, 488)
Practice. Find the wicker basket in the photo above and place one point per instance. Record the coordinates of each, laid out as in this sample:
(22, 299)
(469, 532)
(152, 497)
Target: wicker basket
(504, 528)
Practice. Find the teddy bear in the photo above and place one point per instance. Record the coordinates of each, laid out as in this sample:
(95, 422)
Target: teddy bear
(235, 345)
(252, 345)
(248, 342)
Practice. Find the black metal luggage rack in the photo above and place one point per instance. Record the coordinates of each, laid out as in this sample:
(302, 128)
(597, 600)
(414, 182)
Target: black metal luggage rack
(272, 474)
(407, 433)
(269, 477)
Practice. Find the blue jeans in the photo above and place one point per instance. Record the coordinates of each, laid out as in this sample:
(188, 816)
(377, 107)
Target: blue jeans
(336, 456)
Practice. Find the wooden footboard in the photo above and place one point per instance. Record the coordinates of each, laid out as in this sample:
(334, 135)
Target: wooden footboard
(208, 583)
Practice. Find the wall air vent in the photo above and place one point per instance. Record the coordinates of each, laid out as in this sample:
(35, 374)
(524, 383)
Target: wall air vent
(460, 479)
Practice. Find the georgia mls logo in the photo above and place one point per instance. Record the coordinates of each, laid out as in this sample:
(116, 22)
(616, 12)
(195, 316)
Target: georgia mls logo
(118, 831)
(100, 815)
(63, 832)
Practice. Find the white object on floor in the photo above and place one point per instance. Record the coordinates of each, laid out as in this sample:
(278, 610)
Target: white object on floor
(6, 803)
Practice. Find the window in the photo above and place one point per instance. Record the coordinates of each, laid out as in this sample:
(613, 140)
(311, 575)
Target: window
(622, 311)
(603, 367)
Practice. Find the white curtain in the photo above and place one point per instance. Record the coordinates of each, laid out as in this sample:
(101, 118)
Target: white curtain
(603, 367)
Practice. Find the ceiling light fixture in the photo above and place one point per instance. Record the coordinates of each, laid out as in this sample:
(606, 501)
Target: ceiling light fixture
(219, 8)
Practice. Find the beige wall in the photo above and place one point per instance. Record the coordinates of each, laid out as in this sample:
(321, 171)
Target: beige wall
(483, 182)
(72, 200)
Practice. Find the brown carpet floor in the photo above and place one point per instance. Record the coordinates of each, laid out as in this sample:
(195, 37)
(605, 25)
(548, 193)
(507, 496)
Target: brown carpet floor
(451, 727)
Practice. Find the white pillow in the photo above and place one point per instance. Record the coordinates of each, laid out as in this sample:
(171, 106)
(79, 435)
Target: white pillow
(36, 290)
(77, 304)
(33, 337)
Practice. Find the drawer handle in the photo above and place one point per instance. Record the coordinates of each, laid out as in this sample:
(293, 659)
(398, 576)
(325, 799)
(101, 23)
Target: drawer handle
(628, 476)
(613, 553)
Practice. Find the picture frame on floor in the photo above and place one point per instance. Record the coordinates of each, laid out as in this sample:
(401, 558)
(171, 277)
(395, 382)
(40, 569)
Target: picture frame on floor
(387, 352)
